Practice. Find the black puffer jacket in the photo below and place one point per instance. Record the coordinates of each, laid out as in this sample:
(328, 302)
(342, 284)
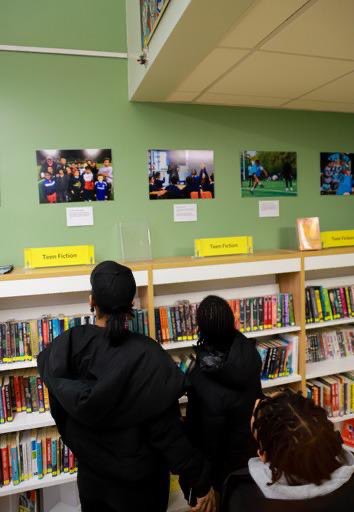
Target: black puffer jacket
(116, 407)
(223, 391)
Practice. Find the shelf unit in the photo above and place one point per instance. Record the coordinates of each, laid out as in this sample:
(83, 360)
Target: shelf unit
(331, 268)
(27, 294)
(31, 293)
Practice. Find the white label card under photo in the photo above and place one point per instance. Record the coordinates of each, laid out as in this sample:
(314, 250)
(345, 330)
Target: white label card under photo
(269, 208)
(185, 212)
(79, 216)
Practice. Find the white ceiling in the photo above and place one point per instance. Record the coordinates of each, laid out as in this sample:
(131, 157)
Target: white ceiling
(292, 54)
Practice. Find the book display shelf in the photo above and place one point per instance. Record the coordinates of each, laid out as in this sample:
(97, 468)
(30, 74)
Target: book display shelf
(30, 294)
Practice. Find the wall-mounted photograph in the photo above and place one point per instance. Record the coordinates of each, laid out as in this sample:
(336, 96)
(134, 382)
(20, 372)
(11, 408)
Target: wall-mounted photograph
(181, 174)
(74, 175)
(337, 174)
(268, 174)
(151, 12)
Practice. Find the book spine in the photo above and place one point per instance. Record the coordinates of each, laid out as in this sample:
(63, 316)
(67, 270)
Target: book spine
(261, 313)
(314, 305)
(344, 302)
(318, 304)
(274, 310)
(242, 315)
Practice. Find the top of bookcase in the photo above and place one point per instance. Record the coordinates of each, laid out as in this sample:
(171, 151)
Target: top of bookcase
(189, 269)
(27, 282)
(329, 258)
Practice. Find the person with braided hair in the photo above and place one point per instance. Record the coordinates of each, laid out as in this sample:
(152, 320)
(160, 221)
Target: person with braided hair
(301, 464)
(224, 384)
(114, 397)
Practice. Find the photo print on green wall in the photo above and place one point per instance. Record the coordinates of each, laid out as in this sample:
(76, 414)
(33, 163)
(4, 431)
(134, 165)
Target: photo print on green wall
(181, 174)
(268, 174)
(74, 175)
(337, 174)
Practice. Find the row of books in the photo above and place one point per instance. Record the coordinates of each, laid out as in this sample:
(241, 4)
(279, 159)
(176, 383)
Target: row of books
(329, 344)
(22, 393)
(335, 393)
(35, 453)
(279, 357)
(323, 304)
(30, 501)
(23, 340)
(179, 322)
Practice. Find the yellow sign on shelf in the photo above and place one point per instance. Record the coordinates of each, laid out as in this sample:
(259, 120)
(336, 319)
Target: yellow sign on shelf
(41, 257)
(223, 246)
(337, 238)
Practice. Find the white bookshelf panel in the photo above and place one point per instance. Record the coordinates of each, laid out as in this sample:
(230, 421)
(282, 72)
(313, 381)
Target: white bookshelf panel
(329, 367)
(331, 282)
(27, 421)
(339, 419)
(19, 365)
(272, 332)
(36, 483)
(225, 271)
(329, 261)
(255, 334)
(281, 381)
(53, 285)
(329, 323)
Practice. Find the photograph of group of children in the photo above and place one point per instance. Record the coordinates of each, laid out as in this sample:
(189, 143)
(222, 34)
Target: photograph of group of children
(181, 174)
(74, 175)
(337, 174)
(268, 174)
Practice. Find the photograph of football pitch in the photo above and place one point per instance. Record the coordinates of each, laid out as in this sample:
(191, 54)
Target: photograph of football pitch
(268, 174)
(268, 188)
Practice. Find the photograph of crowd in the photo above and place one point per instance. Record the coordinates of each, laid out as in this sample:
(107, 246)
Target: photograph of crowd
(268, 174)
(337, 174)
(181, 174)
(74, 175)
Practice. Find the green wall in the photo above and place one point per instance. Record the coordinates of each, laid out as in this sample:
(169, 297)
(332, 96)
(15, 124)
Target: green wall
(89, 108)
(78, 24)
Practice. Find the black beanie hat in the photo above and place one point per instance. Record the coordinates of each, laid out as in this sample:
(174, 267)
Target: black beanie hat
(113, 286)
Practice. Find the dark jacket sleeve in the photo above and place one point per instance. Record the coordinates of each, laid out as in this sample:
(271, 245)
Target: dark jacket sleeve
(167, 436)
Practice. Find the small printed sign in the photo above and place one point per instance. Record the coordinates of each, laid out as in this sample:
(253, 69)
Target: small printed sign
(185, 212)
(79, 216)
(269, 208)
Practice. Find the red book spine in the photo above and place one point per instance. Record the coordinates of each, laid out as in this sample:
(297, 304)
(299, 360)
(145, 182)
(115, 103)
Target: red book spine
(23, 396)
(71, 462)
(5, 465)
(45, 331)
(17, 388)
(49, 454)
(344, 302)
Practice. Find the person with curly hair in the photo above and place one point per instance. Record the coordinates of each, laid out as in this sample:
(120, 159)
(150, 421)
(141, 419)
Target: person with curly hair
(301, 464)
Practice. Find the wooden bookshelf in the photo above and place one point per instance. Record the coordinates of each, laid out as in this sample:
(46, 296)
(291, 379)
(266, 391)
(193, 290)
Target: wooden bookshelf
(164, 280)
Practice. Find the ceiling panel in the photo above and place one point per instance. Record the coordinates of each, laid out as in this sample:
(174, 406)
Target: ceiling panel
(341, 90)
(279, 75)
(261, 19)
(214, 65)
(234, 99)
(303, 104)
(325, 29)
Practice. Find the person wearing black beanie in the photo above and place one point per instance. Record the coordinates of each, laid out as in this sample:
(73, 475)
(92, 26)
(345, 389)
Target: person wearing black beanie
(114, 397)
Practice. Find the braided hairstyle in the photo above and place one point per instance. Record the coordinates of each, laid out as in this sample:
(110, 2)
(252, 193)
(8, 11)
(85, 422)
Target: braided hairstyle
(216, 323)
(297, 439)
